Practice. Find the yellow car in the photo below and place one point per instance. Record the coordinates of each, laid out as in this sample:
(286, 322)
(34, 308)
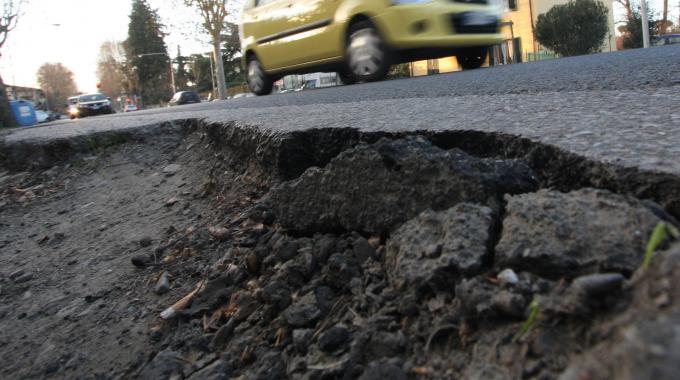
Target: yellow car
(360, 39)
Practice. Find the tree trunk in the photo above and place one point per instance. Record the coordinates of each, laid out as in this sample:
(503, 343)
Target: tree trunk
(6, 116)
(664, 20)
(219, 70)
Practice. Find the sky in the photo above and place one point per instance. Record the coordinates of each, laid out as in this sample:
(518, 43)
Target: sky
(71, 31)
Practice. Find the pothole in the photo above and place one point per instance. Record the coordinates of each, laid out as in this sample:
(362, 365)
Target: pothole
(363, 255)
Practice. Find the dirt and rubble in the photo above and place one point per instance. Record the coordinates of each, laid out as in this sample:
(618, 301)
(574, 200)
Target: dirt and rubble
(215, 252)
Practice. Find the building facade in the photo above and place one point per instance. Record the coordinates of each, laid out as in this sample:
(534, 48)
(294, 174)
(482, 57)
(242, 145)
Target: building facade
(34, 95)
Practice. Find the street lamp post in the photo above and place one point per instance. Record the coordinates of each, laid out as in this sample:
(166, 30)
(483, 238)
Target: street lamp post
(645, 24)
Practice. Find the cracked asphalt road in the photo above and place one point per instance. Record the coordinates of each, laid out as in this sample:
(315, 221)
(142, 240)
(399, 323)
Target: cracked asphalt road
(617, 107)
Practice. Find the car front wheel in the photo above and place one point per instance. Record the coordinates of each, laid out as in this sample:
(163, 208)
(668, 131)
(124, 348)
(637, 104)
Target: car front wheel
(472, 58)
(367, 56)
(258, 80)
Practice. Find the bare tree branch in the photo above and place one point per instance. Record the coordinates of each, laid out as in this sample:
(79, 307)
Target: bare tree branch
(214, 15)
(10, 16)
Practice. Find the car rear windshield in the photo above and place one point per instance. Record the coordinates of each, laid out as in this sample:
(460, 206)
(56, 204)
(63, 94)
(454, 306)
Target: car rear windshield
(91, 98)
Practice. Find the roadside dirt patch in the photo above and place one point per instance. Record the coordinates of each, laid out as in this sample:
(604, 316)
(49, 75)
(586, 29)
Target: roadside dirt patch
(213, 252)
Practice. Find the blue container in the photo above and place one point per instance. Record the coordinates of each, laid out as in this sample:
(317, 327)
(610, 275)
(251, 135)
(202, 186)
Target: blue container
(24, 112)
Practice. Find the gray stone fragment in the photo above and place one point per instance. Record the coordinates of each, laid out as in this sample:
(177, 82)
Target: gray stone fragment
(163, 284)
(341, 269)
(375, 188)
(171, 169)
(436, 248)
(557, 234)
(16, 274)
(599, 283)
(362, 250)
(164, 365)
(507, 276)
(333, 338)
(303, 312)
(145, 241)
(645, 350)
(301, 338)
(381, 370)
(24, 277)
(218, 370)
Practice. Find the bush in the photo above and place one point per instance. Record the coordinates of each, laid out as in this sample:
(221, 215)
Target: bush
(576, 28)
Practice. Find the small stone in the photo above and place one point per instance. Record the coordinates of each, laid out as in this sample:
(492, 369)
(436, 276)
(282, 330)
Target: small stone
(28, 276)
(171, 202)
(140, 261)
(662, 300)
(363, 250)
(433, 251)
(285, 250)
(277, 294)
(171, 170)
(333, 338)
(380, 371)
(598, 284)
(509, 304)
(223, 335)
(218, 370)
(507, 277)
(218, 233)
(301, 338)
(253, 262)
(268, 218)
(341, 269)
(303, 312)
(145, 241)
(16, 274)
(163, 284)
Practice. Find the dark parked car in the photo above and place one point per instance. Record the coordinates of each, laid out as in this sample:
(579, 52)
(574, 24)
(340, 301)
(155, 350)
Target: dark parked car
(91, 105)
(185, 97)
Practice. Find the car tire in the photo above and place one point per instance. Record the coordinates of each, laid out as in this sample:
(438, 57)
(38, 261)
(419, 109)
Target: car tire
(258, 80)
(346, 77)
(472, 58)
(368, 58)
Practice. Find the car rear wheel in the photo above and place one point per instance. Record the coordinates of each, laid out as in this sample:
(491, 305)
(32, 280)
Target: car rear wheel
(258, 80)
(367, 56)
(346, 77)
(472, 58)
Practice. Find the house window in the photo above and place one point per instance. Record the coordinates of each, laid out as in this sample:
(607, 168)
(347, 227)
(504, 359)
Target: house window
(511, 5)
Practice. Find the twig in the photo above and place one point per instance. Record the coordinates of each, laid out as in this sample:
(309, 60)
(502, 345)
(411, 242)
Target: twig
(436, 332)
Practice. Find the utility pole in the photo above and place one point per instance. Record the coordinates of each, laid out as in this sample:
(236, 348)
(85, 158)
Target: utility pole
(645, 24)
(212, 75)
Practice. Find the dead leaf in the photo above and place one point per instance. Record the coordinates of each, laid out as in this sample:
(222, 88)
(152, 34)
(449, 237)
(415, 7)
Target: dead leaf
(374, 242)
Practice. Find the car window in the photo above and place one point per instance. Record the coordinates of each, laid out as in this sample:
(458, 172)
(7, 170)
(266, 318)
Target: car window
(177, 95)
(91, 98)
